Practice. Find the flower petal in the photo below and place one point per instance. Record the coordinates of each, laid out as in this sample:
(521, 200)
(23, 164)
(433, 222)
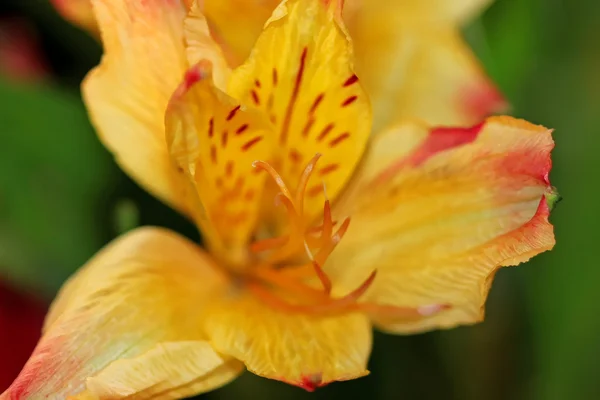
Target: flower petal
(415, 11)
(127, 95)
(170, 370)
(214, 141)
(237, 23)
(413, 68)
(438, 223)
(300, 74)
(200, 45)
(78, 12)
(408, 53)
(138, 302)
(301, 350)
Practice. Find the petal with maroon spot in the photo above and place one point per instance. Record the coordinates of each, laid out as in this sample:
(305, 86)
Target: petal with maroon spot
(300, 73)
(214, 140)
(303, 350)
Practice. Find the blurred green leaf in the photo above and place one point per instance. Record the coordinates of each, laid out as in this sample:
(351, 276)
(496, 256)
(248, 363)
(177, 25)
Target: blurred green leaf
(126, 215)
(53, 179)
(543, 54)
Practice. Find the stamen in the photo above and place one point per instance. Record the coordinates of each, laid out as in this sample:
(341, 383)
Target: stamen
(325, 281)
(275, 175)
(301, 189)
(283, 287)
(346, 303)
(330, 245)
(359, 291)
(296, 236)
(294, 206)
(322, 304)
(325, 191)
(327, 222)
(268, 244)
(319, 228)
(289, 285)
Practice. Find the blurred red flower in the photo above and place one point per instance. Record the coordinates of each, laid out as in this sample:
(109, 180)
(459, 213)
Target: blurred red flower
(21, 319)
(21, 57)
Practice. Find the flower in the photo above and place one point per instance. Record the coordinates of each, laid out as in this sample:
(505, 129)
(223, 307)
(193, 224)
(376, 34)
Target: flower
(402, 228)
(409, 54)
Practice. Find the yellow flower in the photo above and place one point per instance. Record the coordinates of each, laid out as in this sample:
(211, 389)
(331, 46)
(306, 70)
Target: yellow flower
(409, 54)
(402, 229)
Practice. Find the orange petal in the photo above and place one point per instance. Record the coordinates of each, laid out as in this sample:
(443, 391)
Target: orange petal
(438, 223)
(300, 74)
(78, 12)
(139, 302)
(214, 140)
(416, 68)
(127, 95)
(301, 350)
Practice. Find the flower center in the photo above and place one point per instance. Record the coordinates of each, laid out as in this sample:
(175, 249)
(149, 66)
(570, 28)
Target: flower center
(304, 287)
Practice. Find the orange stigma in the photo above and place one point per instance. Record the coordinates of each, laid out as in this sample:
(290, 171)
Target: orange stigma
(287, 287)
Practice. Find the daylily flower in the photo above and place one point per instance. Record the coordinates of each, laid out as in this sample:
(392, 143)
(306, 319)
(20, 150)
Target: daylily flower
(409, 54)
(316, 227)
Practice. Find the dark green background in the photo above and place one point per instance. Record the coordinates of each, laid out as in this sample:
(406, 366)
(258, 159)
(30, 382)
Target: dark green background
(62, 198)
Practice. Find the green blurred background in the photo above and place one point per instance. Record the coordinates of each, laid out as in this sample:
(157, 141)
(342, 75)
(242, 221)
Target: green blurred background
(62, 197)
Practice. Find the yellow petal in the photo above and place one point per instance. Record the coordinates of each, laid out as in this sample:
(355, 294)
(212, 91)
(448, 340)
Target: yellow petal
(301, 350)
(130, 323)
(237, 23)
(214, 141)
(418, 11)
(418, 69)
(154, 374)
(127, 95)
(78, 12)
(300, 74)
(438, 223)
(200, 45)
